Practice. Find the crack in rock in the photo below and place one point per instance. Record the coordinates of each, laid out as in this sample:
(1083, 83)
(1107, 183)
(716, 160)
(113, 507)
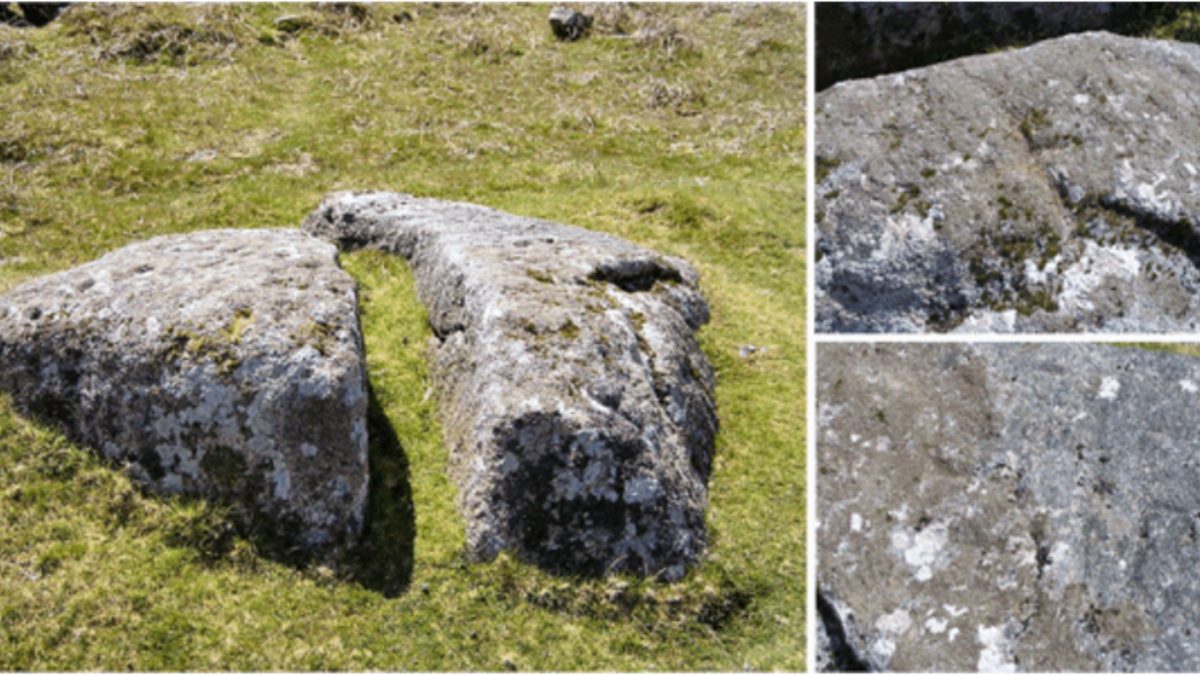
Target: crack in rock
(835, 652)
(575, 401)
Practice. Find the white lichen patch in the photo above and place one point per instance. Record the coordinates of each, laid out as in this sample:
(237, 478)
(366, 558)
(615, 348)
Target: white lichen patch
(641, 489)
(1097, 264)
(1146, 196)
(924, 552)
(995, 655)
(856, 522)
(1109, 388)
(895, 624)
(905, 236)
(1188, 386)
(935, 625)
(889, 627)
(989, 321)
(1037, 273)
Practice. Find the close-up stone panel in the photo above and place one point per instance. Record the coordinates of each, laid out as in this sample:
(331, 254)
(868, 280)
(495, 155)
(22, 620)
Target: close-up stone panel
(1054, 188)
(1007, 507)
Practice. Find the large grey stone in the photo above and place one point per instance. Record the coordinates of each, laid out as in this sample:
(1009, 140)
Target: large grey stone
(225, 363)
(1009, 506)
(1052, 188)
(575, 401)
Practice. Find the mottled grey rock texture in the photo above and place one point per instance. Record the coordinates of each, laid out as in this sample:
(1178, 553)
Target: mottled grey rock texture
(225, 363)
(863, 39)
(1052, 188)
(568, 24)
(575, 401)
(1009, 507)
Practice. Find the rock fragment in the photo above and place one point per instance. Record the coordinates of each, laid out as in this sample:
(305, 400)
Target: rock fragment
(226, 364)
(1008, 507)
(1043, 189)
(569, 25)
(575, 401)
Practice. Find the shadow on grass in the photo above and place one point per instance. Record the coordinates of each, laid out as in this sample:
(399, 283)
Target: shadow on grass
(382, 561)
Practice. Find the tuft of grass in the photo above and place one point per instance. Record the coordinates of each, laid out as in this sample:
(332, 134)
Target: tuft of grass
(123, 124)
(1185, 348)
(1177, 23)
(243, 317)
(147, 34)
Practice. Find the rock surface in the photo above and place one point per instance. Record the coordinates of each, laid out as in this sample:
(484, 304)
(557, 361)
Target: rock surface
(1009, 507)
(575, 401)
(225, 363)
(864, 39)
(1052, 188)
(568, 24)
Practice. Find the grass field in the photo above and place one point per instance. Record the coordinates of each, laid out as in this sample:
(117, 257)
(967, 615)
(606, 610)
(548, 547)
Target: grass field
(677, 127)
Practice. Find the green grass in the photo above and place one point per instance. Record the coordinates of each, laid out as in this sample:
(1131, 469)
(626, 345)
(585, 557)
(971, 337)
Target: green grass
(686, 137)
(1181, 22)
(1185, 348)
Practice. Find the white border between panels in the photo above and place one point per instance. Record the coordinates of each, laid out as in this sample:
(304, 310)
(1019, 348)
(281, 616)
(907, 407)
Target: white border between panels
(1022, 338)
(810, 345)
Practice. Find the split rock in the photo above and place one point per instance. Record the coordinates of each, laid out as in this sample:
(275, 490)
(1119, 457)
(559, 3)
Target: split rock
(1008, 507)
(576, 404)
(225, 363)
(1052, 188)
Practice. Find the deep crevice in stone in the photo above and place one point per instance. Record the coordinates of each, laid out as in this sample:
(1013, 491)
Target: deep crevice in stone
(1178, 234)
(842, 656)
(633, 276)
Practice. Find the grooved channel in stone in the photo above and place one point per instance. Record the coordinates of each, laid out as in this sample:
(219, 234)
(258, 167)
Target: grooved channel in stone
(576, 403)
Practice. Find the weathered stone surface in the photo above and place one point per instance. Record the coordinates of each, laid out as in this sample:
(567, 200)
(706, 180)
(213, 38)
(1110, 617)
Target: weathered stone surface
(1001, 507)
(225, 363)
(569, 24)
(1053, 188)
(575, 402)
(863, 39)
